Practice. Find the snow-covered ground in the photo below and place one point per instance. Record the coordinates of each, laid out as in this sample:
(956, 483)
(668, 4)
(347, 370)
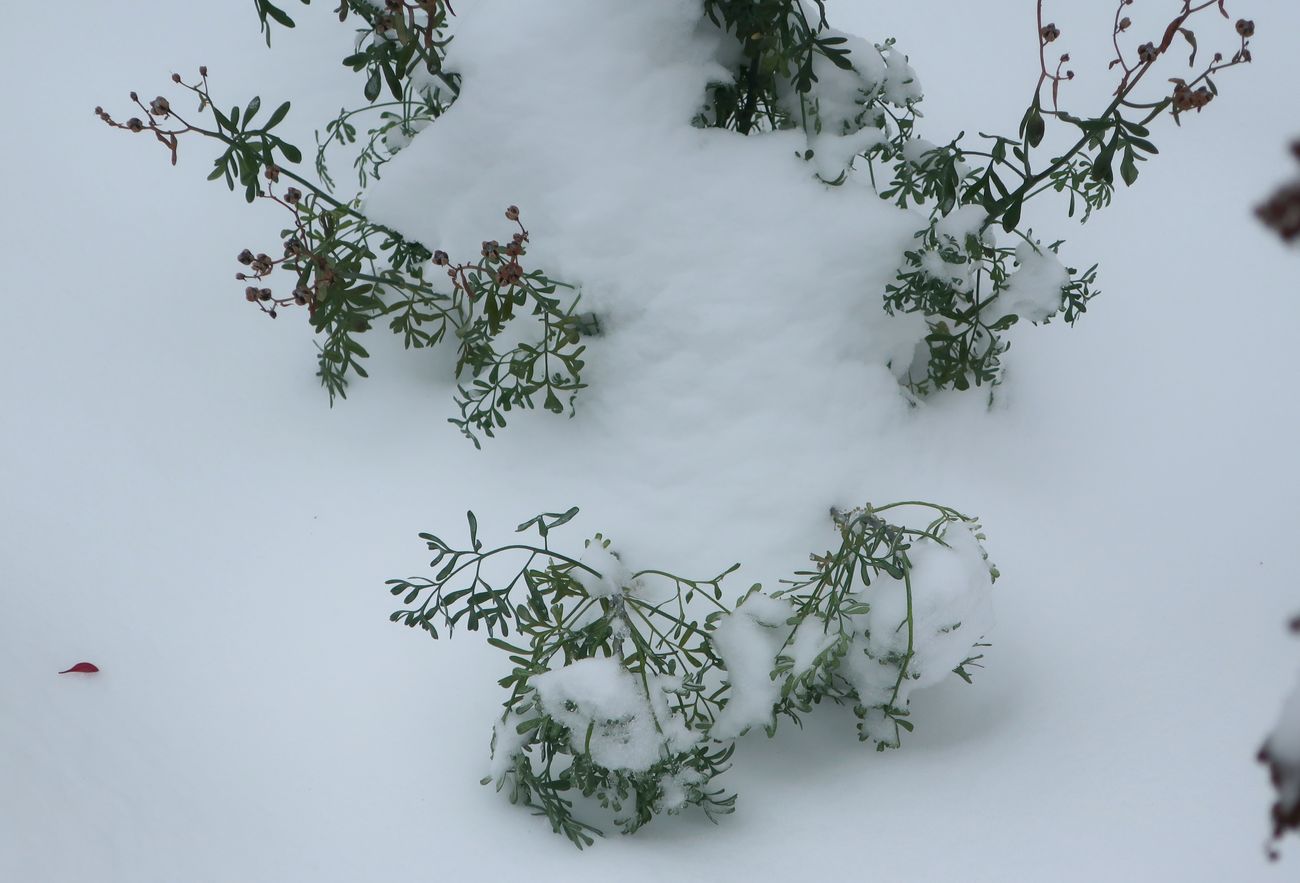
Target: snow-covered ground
(181, 507)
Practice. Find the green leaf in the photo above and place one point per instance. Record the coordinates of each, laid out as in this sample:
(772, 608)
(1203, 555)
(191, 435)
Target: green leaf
(253, 107)
(1143, 144)
(276, 13)
(1035, 127)
(1011, 217)
(291, 153)
(373, 84)
(280, 113)
(393, 80)
(1128, 168)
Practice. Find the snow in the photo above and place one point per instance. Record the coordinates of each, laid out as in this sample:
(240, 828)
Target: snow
(962, 224)
(182, 509)
(748, 640)
(952, 607)
(507, 741)
(1034, 290)
(614, 578)
(609, 713)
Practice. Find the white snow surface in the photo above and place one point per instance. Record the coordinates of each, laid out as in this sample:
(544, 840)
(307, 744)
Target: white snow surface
(181, 508)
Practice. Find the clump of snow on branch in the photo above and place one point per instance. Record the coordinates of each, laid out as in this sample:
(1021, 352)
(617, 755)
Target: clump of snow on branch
(610, 714)
(748, 640)
(1034, 291)
(614, 576)
(914, 632)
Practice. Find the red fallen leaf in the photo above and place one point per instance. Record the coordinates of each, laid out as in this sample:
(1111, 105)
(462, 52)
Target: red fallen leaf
(82, 668)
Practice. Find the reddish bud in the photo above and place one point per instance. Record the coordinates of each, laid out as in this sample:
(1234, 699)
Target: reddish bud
(81, 668)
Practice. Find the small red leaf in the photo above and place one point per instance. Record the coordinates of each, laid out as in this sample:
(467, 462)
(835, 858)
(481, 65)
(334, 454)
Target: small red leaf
(82, 668)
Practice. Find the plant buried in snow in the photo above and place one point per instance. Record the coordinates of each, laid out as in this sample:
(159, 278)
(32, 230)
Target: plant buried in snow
(621, 693)
(350, 272)
(957, 276)
(612, 692)
(862, 656)
(961, 282)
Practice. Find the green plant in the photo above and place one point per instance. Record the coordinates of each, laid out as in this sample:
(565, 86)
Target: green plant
(623, 693)
(351, 273)
(791, 70)
(835, 623)
(796, 73)
(966, 302)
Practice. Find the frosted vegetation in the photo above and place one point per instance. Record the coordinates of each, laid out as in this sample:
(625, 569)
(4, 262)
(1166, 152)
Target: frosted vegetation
(697, 135)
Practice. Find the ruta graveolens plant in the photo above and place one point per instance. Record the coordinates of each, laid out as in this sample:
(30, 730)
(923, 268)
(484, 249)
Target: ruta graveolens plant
(857, 101)
(629, 688)
(349, 272)
(790, 70)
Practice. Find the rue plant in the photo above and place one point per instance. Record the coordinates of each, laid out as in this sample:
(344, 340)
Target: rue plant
(628, 688)
(791, 70)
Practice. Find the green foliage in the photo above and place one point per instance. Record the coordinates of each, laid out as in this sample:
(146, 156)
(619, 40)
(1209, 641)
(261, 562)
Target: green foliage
(778, 43)
(562, 613)
(833, 599)
(777, 72)
(557, 616)
(790, 71)
(351, 273)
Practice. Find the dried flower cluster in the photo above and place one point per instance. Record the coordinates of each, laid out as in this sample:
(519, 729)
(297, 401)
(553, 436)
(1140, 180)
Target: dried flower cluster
(1281, 211)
